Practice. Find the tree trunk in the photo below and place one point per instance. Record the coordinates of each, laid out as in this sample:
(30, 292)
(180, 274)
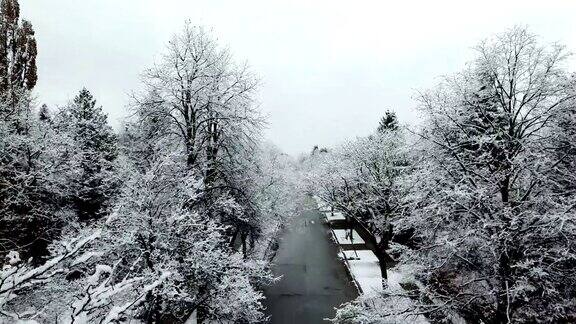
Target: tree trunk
(502, 300)
(243, 236)
(381, 255)
(233, 239)
(505, 189)
(380, 248)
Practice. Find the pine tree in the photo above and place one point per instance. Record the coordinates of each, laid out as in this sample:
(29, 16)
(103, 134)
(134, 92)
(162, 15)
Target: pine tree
(388, 122)
(44, 114)
(95, 151)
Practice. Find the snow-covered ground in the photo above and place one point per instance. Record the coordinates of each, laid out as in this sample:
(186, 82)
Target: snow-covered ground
(365, 269)
(343, 237)
(396, 276)
(335, 216)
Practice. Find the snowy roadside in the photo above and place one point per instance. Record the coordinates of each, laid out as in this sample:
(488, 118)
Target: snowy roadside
(364, 267)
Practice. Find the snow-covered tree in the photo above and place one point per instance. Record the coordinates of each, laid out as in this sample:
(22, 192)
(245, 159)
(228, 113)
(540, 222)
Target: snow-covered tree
(206, 98)
(363, 178)
(497, 239)
(33, 160)
(94, 146)
(73, 286)
(30, 153)
(563, 140)
(17, 51)
(158, 225)
(273, 190)
(389, 122)
(191, 181)
(201, 103)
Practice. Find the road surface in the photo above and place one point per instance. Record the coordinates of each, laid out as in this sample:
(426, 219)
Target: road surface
(313, 280)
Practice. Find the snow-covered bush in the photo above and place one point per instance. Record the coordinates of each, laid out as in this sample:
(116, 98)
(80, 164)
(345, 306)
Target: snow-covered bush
(52, 292)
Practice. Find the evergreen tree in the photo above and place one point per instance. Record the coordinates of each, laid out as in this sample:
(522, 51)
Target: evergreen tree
(44, 114)
(388, 122)
(95, 151)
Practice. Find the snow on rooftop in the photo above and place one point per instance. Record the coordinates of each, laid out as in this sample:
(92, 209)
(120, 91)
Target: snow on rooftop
(343, 237)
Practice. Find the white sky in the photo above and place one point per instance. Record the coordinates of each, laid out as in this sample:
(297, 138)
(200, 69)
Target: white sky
(329, 68)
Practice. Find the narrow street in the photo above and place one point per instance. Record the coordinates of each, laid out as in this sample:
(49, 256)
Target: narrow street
(313, 280)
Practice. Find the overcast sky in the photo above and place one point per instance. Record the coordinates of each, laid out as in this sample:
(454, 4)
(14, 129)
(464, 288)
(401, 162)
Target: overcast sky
(329, 69)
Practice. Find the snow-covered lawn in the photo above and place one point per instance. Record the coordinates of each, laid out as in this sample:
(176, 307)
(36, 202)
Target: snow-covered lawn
(343, 237)
(336, 216)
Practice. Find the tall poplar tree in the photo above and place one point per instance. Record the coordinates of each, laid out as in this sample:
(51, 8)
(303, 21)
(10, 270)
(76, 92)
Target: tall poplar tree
(17, 50)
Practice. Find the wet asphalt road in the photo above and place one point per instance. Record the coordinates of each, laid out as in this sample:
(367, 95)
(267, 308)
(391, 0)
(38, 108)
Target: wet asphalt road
(314, 281)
